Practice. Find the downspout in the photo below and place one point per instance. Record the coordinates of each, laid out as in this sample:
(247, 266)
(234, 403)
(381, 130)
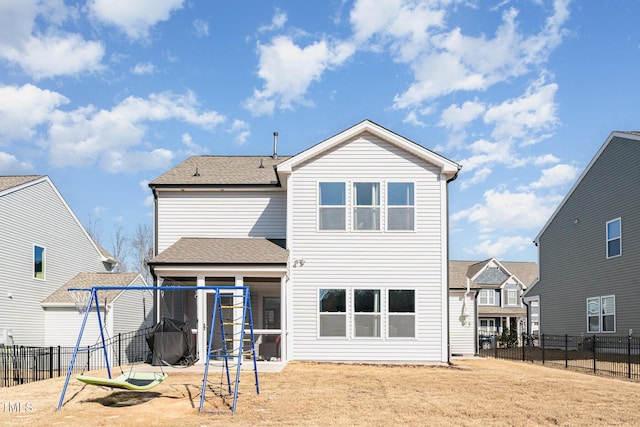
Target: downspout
(447, 270)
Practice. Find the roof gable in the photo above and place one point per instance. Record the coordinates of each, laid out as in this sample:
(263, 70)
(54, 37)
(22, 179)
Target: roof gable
(461, 272)
(89, 280)
(626, 135)
(447, 167)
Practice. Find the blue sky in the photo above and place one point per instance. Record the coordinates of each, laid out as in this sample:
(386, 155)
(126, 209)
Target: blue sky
(105, 95)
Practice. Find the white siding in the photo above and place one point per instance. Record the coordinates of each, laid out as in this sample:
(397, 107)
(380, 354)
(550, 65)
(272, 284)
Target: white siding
(132, 310)
(36, 215)
(348, 259)
(462, 323)
(62, 326)
(220, 214)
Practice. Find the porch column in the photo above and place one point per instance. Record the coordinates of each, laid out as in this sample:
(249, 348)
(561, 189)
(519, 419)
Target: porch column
(158, 304)
(238, 347)
(201, 321)
(284, 320)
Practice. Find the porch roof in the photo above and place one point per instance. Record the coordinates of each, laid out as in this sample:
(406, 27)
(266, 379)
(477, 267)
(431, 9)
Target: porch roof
(194, 250)
(486, 311)
(89, 280)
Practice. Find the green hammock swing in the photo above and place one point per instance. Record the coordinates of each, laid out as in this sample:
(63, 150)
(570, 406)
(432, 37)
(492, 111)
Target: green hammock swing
(129, 381)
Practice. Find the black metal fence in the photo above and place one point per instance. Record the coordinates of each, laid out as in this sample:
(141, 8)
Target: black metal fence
(615, 356)
(22, 364)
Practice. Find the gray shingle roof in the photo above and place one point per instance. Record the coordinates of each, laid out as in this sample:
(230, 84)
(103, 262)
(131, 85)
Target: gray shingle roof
(459, 271)
(222, 170)
(88, 280)
(191, 250)
(7, 182)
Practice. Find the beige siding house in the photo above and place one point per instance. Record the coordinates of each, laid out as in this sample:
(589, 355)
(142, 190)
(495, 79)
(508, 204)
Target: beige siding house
(343, 246)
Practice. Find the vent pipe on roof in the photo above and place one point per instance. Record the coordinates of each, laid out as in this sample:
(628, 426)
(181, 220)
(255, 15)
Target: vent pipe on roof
(196, 173)
(261, 165)
(275, 145)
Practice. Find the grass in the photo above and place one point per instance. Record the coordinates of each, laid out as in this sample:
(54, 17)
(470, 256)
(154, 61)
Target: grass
(469, 393)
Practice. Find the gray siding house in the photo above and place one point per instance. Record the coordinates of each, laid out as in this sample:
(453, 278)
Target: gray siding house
(342, 245)
(42, 246)
(589, 250)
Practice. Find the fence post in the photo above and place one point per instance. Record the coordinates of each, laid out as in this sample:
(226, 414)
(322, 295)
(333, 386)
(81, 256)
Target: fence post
(542, 342)
(629, 355)
(51, 362)
(119, 349)
(88, 358)
(523, 346)
(594, 354)
(566, 351)
(59, 362)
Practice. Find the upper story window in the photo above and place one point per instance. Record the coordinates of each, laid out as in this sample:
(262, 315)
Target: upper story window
(601, 314)
(487, 297)
(400, 206)
(38, 262)
(614, 238)
(366, 206)
(332, 209)
(512, 297)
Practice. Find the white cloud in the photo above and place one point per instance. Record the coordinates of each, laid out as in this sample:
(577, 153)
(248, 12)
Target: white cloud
(193, 149)
(10, 165)
(404, 25)
(556, 176)
(505, 211)
(25, 107)
(37, 49)
(277, 22)
(447, 60)
(525, 117)
(456, 118)
(480, 175)
(144, 68)
(412, 118)
(545, 159)
(201, 28)
(241, 131)
(500, 247)
(288, 70)
(86, 135)
(134, 18)
(117, 161)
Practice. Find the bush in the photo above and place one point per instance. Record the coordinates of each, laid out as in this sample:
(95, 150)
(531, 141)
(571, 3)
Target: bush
(508, 338)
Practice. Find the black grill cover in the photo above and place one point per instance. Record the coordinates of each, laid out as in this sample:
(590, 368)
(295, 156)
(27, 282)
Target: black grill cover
(171, 343)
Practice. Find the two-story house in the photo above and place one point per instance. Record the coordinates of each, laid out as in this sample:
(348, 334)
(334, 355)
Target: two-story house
(589, 249)
(42, 247)
(343, 246)
(486, 299)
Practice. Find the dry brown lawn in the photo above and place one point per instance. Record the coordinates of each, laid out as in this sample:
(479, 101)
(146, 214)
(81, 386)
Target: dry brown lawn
(469, 393)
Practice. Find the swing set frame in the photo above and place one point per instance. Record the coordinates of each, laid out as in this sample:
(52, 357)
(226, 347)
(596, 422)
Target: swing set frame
(93, 299)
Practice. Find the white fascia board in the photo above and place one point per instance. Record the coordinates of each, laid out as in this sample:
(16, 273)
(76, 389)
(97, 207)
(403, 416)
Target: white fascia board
(447, 167)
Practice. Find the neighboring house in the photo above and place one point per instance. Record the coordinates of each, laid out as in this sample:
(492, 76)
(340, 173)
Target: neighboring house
(589, 250)
(121, 311)
(486, 299)
(343, 246)
(42, 246)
